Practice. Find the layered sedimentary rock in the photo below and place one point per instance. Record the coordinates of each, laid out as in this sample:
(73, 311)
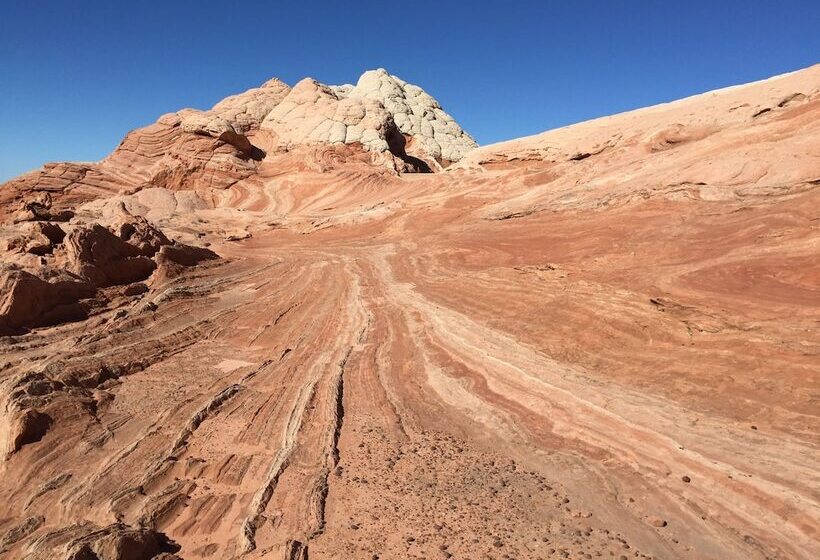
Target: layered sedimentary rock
(396, 124)
(599, 341)
(48, 271)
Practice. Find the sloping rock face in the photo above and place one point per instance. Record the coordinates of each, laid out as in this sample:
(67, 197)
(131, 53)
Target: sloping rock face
(599, 341)
(159, 155)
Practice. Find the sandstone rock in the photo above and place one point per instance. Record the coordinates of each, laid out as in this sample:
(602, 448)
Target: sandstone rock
(159, 155)
(313, 113)
(417, 115)
(40, 209)
(173, 259)
(29, 427)
(70, 182)
(238, 235)
(103, 259)
(53, 232)
(233, 117)
(216, 148)
(36, 238)
(185, 255)
(246, 111)
(175, 155)
(375, 373)
(28, 301)
(239, 141)
(208, 124)
(152, 203)
(121, 542)
(135, 289)
(20, 531)
(203, 122)
(38, 245)
(382, 113)
(140, 233)
(42, 237)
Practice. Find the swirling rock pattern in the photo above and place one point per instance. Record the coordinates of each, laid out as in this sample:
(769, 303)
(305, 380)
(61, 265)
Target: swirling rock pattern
(599, 341)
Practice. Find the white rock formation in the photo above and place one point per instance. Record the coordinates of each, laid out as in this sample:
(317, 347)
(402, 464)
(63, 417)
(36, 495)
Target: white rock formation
(313, 113)
(246, 111)
(417, 115)
(238, 113)
(381, 112)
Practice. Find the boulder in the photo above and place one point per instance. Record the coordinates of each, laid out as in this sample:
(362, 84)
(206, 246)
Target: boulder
(39, 209)
(173, 259)
(140, 233)
(28, 301)
(104, 259)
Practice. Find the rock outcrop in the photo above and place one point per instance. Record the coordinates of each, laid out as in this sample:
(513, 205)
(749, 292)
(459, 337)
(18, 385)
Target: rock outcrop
(73, 266)
(95, 254)
(38, 238)
(39, 209)
(432, 133)
(28, 301)
(313, 113)
(118, 541)
(399, 125)
(138, 232)
(382, 113)
(172, 260)
(244, 112)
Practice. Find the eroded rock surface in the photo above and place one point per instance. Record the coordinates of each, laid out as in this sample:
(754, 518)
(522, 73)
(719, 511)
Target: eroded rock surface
(599, 341)
(418, 116)
(27, 300)
(381, 112)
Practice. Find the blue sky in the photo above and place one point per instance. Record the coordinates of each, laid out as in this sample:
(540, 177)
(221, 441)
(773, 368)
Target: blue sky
(76, 76)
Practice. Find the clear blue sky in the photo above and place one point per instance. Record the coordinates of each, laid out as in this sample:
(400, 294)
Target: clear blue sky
(76, 76)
